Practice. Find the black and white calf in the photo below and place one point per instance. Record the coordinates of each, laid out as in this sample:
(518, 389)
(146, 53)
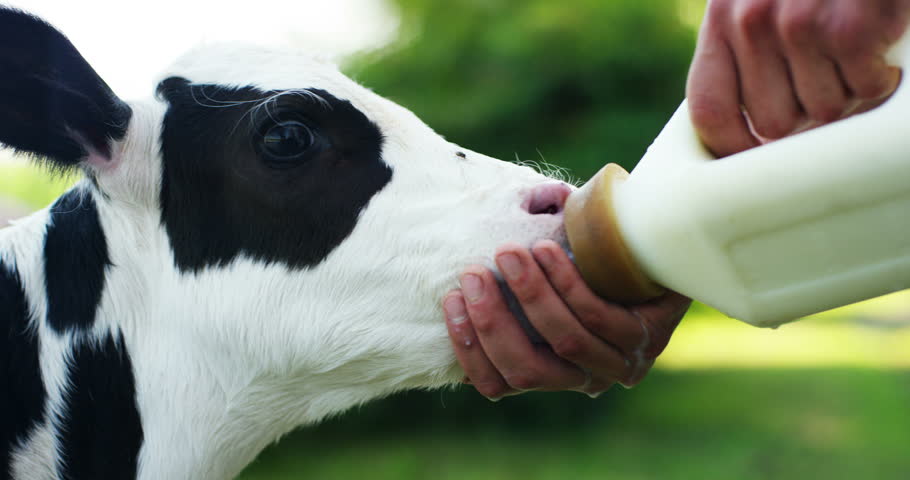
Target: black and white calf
(260, 244)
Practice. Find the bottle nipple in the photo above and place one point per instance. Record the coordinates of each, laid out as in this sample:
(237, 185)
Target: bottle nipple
(601, 253)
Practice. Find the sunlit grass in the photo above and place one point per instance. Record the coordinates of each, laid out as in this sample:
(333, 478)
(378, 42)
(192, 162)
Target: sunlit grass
(696, 424)
(690, 12)
(869, 334)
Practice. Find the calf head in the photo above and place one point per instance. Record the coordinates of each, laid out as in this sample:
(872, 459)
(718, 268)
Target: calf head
(261, 241)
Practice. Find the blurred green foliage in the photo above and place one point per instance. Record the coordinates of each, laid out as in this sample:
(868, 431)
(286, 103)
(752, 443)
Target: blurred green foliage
(708, 424)
(580, 83)
(34, 187)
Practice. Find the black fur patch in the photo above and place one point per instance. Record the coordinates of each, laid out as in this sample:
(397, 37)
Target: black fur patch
(101, 433)
(75, 260)
(222, 196)
(52, 103)
(22, 394)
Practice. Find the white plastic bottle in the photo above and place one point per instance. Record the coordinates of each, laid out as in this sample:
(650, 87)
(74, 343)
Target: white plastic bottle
(795, 227)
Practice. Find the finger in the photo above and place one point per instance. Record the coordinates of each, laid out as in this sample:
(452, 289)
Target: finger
(765, 79)
(819, 87)
(553, 319)
(870, 78)
(661, 317)
(641, 371)
(858, 37)
(714, 97)
(477, 367)
(521, 364)
(646, 328)
(605, 320)
(595, 386)
(863, 106)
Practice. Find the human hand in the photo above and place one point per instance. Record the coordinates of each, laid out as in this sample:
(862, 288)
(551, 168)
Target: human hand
(591, 343)
(792, 65)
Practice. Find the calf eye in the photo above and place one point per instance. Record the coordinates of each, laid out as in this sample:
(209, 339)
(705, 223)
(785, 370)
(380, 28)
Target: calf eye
(287, 140)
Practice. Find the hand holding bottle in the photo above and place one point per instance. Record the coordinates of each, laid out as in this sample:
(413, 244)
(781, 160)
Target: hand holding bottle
(788, 65)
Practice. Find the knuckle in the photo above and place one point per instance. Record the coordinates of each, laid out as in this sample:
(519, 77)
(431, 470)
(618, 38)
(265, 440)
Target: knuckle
(569, 347)
(530, 292)
(592, 318)
(565, 282)
(483, 322)
(797, 27)
(753, 19)
(708, 113)
(526, 380)
(849, 36)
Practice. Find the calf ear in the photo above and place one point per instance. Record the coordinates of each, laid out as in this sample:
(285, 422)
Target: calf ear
(52, 103)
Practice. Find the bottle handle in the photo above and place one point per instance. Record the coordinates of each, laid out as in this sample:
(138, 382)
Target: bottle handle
(604, 259)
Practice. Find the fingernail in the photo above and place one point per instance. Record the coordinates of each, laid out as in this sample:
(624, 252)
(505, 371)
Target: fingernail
(544, 257)
(494, 399)
(598, 394)
(852, 106)
(632, 385)
(803, 126)
(634, 379)
(510, 264)
(894, 81)
(472, 287)
(455, 310)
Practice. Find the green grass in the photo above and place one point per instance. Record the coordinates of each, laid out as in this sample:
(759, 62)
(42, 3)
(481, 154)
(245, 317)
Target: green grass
(696, 424)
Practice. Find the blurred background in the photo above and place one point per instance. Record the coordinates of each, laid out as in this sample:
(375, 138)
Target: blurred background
(574, 84)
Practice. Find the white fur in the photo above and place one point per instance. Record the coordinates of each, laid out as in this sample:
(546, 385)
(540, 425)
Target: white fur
(228, 360)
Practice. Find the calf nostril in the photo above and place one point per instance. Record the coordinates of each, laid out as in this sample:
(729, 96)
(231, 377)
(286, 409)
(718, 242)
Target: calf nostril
(547, 199)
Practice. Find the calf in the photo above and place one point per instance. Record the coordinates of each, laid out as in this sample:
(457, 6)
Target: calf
(259, 244)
